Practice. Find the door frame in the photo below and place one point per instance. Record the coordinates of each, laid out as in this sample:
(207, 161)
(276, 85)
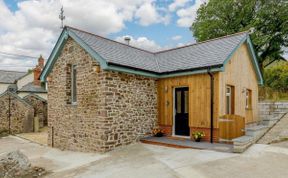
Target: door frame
(174, 111)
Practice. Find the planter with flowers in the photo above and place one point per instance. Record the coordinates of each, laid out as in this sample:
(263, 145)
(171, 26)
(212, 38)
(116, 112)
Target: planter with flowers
(157, 132)
(198, 135)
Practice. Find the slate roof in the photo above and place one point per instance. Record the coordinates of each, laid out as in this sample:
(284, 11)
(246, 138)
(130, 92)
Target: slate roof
(30, 87)
(10, 76)
(199, 55)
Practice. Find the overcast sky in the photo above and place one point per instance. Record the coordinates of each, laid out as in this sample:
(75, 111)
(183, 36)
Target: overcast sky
(31, 27)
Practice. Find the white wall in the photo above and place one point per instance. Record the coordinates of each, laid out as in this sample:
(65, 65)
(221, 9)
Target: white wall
(23, 81)
(3, 87)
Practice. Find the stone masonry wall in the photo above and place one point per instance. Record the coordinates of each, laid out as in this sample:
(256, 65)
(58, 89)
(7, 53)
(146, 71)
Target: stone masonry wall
(131, 107)
(112, 108)
(268, 108)
(22, 114)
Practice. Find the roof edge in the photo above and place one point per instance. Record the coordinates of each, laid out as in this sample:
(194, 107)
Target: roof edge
(115, 67)
(17, 97)
(129, 70)
(54, 54)
(253, 57)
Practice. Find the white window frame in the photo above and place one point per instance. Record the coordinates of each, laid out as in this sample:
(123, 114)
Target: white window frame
(248, 99)
(73, 81)
(229, 95)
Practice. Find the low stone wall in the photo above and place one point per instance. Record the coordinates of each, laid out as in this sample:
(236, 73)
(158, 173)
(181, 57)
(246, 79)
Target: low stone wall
(270, 113)
(270, 107)
(21, 114)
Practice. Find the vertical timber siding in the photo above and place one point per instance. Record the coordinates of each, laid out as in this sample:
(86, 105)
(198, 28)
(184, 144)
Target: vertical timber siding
(240, 73)
(199, 100)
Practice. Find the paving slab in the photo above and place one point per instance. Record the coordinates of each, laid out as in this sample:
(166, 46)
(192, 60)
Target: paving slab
(51, 159)
(187, 143)
(145, 160)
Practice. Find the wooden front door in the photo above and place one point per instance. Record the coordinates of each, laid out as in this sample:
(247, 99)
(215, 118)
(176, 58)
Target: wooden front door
(181, 123)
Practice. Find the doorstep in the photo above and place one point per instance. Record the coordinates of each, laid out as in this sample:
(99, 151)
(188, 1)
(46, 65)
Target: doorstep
(187, 143)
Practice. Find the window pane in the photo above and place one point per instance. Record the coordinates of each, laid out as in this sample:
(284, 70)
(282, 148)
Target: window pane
(74, 84)
(247, 98)
(228, 91)
(178, 102)
(228, 105)
(250, 99)
(186, 97)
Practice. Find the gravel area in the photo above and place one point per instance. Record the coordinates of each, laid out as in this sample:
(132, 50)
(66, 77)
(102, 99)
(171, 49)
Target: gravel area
(278, 133)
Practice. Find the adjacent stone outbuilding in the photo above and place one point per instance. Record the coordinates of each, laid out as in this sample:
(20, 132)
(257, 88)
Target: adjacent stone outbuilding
(16, 115)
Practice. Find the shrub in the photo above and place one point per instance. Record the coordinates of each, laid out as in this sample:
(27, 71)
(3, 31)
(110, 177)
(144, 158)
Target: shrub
(277, 78)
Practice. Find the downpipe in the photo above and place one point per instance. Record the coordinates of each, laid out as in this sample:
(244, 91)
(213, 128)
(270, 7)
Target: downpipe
(211, 103)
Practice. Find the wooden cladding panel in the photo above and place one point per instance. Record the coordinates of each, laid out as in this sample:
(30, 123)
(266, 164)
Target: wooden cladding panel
(231, 126)
(199, 99)
(239, 72)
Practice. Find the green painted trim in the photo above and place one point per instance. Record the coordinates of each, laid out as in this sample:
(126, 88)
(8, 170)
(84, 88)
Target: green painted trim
(202, 71)
(255, 62)
(147, 74)
(252, 53)
(130, 71)
(88, 49)
(54, 55)
(103, 64)
(234, 50)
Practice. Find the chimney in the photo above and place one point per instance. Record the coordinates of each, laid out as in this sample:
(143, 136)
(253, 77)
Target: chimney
(127, 39)
(37, 71)
(41, 61)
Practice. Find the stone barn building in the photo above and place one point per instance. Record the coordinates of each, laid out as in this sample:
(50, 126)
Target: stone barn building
(104, 94)
(26, 91)
(16, 115)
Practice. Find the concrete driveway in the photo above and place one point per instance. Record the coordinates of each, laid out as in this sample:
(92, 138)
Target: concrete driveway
(150, 161)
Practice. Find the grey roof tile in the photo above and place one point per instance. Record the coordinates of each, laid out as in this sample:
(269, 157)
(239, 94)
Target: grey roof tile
(118, 53)
(30, 87)
(204, 54)
(10, 76)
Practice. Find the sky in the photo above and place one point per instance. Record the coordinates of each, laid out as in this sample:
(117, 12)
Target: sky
(30, 28)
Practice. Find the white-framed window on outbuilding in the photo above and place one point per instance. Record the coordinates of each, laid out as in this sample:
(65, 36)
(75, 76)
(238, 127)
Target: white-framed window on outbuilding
(248, 99)
(230, 99)
(74, 84)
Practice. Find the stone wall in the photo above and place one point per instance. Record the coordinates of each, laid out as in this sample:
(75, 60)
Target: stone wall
(112, 108)
(40, 108)
(131, 107)
(267, 108)
(21, 114)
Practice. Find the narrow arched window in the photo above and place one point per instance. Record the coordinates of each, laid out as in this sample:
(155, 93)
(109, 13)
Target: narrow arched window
(74, 84)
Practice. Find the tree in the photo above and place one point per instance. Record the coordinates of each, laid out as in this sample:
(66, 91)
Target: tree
(267, 18)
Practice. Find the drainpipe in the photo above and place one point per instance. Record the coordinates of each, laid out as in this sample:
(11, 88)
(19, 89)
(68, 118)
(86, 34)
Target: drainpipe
(9, 114)
(212, 103)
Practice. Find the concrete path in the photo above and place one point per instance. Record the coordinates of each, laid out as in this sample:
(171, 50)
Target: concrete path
(151, 161)
(53, 160)
(278, 133)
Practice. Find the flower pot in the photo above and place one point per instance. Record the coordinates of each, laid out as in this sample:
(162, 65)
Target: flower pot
(158, 135)
(197, 139)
